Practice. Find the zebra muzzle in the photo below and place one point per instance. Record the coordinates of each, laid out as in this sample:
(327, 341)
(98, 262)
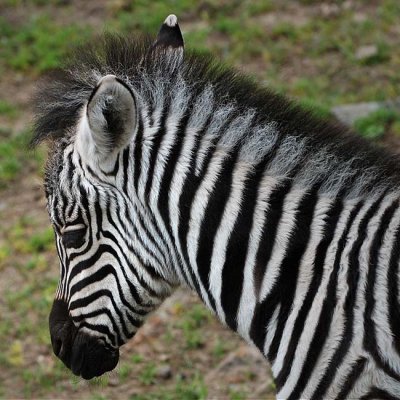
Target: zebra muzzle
(85, 355)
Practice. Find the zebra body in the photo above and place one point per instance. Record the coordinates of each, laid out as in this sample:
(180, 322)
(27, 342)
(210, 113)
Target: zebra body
(167, 170)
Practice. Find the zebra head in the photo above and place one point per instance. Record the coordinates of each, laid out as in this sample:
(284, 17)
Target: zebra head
(112, 274)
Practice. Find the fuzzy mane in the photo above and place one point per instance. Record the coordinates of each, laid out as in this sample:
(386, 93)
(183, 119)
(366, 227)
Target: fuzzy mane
(62, 94)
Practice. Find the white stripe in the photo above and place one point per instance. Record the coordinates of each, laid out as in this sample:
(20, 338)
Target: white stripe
(197, 213)
(221, 240)
(286, 225)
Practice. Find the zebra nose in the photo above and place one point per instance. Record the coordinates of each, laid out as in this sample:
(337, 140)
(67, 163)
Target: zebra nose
(83, 354)
(62, 331)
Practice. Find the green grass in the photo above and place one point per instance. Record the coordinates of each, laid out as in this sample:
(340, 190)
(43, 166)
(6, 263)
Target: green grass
(375, 125)
(8, 110)
(184, 389)
(11, 157)
(15, 156)
(191, 325)
(39, 44)
(148, 373)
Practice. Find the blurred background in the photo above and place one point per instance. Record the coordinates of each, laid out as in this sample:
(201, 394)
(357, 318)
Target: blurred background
(338, 58)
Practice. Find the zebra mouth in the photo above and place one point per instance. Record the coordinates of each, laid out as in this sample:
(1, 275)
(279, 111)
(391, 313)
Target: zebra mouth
(84, 355)
(90, 358)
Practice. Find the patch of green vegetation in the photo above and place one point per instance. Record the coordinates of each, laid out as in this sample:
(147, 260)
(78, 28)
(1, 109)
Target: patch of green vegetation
(11, 158)
(24, 238)
(148, 374)
(123, 371)
(315, 108)
(185, 389)
(99, 381)
(8, 110)
(14, 156)
(98, 396)
(42, 377)
(195, 389)
(237, 395)
(20, 3)
(191, 324)
(39, 44)
(147, 16)
(377, 123)
(219, 349)
(136, 358)
(258, 7)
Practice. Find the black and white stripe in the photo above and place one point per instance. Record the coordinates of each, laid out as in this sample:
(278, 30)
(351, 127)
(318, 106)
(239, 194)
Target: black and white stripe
(286, 226)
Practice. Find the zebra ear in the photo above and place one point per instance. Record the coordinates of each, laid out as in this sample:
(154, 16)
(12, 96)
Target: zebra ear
(111, 115)
(168, 45)
(169, 36)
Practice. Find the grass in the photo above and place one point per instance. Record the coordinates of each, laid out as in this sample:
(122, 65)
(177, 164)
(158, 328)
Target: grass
(15, 156)
(148, 374)
(375, 125)
(8, 110)
(184, 389)
(191, 325)
(39, 44)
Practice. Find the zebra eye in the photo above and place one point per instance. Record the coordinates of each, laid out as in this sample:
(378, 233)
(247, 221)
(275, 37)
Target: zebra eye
(74, 237)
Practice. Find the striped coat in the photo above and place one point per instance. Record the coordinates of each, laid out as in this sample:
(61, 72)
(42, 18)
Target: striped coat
(166, 168)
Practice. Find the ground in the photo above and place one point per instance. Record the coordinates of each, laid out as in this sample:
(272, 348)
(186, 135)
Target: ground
(322, 53)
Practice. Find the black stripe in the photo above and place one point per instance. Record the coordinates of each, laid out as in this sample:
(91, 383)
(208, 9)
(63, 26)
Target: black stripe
(237, 248)
(137, 153)
(169, 169)
(354, 374)
(98, 276)
(125, 164)
(378, 394)
(212, 218)
(164, 250)
(98, 213)
(82, 317)
(328, 307)
(104, 329)
(264, 310)
(155, 147)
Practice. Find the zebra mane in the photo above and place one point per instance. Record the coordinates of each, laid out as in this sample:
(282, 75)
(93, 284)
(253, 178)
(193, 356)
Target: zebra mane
(62, 94)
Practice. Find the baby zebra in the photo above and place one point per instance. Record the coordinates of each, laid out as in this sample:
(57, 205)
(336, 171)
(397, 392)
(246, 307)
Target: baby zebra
(166, 168)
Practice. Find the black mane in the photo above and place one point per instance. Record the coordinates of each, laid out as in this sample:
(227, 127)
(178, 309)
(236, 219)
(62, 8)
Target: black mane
(62, 94)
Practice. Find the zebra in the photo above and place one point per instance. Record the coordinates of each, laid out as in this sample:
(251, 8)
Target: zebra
(167, 168)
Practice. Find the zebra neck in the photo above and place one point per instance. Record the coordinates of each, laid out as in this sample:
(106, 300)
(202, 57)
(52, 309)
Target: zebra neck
(281, 261)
